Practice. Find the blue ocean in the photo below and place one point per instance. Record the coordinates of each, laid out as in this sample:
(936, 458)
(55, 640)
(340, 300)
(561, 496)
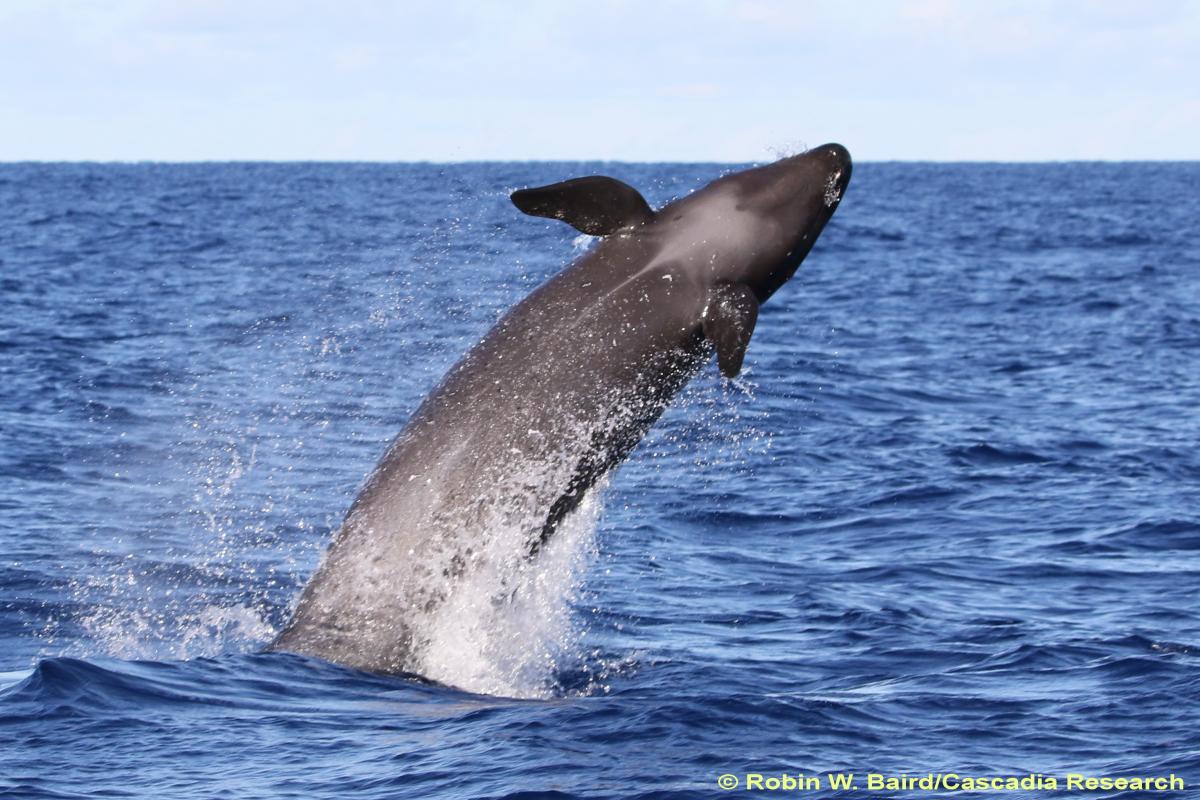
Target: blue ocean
(946, 522)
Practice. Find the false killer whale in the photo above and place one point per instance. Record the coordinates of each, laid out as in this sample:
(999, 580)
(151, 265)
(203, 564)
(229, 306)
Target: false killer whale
(558, 393)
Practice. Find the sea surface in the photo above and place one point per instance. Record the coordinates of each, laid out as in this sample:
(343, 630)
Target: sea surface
(947, 520)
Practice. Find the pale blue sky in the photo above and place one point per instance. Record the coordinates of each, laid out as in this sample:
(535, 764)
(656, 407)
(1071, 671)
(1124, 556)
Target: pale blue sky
(741, 80)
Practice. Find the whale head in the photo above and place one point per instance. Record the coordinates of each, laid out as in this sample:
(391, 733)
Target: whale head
(779, 210)
(734, 242)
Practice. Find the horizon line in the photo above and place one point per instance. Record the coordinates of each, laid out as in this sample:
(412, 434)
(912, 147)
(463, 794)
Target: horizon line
(480, 161)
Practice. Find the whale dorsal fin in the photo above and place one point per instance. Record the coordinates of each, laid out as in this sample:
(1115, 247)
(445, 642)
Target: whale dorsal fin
(597, 205)
(728, 323)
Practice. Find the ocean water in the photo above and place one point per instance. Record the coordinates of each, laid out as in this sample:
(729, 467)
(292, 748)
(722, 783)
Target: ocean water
(947, 520)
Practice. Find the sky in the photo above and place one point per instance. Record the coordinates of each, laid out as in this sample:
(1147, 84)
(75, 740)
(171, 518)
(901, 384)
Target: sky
(644, 80)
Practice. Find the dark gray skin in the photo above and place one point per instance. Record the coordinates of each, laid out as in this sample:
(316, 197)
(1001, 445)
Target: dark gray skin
(557, 393)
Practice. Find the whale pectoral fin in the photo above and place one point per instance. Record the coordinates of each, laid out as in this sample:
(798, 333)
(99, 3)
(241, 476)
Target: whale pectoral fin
(728, 323)
(595, 205)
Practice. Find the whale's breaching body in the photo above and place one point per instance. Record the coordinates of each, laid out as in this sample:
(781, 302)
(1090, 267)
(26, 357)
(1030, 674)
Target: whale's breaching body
(555, 395)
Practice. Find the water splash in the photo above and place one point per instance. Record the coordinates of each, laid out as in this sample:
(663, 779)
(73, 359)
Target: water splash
(833, 192)
(583, 242)
(787, 149)
(144, 631)
(508, 627)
